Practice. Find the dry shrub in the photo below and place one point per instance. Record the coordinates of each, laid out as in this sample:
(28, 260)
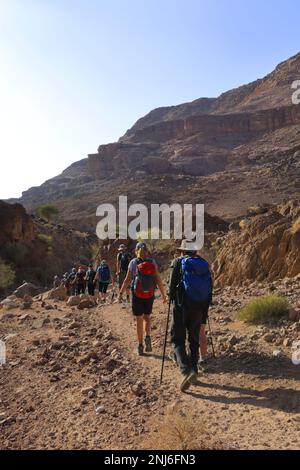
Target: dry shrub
(296, 226)
(178, 431)
(243, 224)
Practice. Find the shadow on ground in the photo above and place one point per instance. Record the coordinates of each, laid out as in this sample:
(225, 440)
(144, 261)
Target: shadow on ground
(260, 367)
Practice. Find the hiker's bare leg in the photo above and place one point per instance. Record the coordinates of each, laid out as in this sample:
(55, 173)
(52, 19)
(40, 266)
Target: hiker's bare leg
(203, 342)
(147, 320)
(140, 328)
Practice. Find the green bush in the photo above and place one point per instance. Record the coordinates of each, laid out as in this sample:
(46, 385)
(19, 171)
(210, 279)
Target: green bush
(47, 211)
(264, 309)
(45, 239)
(15, 252)
(7, 275)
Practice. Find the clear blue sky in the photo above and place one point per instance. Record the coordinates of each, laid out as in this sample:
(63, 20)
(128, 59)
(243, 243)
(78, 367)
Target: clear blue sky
(79, 73)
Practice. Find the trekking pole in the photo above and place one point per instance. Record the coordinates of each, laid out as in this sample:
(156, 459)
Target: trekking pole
(211, 340)
(165, 343)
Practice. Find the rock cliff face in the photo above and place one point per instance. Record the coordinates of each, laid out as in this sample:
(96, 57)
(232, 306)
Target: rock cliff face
(230, 152)
(38, 250)
(266, 248)
(15, 224)
(188, 146)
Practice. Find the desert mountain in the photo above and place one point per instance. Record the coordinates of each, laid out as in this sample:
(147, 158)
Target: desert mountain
(231, 152)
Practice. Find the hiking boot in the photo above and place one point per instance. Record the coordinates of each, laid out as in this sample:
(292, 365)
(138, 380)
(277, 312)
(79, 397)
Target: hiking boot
(188, 380)
(140, 350)
(148, 344)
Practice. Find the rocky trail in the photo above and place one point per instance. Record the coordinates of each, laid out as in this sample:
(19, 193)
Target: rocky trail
(73, 381)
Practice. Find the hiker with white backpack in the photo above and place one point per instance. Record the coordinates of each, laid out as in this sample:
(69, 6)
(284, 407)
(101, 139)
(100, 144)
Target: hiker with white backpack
(144, 277)
(190, 291)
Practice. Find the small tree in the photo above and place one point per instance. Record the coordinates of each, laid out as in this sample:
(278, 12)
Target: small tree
(7, 275)
(47, 211)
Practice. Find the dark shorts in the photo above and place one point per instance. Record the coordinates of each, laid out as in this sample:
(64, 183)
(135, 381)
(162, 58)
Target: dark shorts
(197, 308)
(141, 306)
(121, 278)
(103, 287)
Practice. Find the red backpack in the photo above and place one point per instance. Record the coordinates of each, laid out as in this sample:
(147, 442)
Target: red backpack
(144, 282)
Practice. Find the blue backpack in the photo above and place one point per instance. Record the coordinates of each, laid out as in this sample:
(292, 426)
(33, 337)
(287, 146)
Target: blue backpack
(104, 273)
(196, 278)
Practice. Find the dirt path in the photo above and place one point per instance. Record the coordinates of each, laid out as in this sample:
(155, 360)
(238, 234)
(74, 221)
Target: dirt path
(64, 364)
(248, 401)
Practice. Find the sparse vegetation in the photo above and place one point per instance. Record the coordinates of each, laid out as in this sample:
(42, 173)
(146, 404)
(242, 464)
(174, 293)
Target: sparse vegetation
(296, 226)
(7, 275)
(256, 210)
(94, 249)
(178, 431)
(45, 239)
(243, 224)
(47, 211)
(154, 243)
(15, 252)
(264, 309)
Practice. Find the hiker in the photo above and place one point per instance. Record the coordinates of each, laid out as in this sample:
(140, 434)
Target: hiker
(123, 260)
(143, 275)
(66, 283)
(71, 281)
(80, 281)
(89, 278)
(190, 291)
(104, 277)
(56, 282)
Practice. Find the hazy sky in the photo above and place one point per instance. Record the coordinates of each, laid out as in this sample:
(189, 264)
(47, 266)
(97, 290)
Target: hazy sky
(75, 74)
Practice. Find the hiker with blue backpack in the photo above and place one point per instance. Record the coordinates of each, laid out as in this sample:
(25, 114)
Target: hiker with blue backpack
(143, 276)
(190, 292)
(103, 276)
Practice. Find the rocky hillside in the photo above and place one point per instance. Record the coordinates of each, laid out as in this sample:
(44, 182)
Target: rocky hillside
(230, 152)
(263, 247)
(36, 249)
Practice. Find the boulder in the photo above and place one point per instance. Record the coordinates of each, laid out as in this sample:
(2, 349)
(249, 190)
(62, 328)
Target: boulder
(269, 337)
(268, 251)
(86, 303)
(27, 288)
(294, 314)
(9, 304)
(74, 300)
(59, 293)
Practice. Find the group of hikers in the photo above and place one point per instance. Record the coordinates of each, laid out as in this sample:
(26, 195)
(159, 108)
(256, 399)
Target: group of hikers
(189, 292)
(86, 279)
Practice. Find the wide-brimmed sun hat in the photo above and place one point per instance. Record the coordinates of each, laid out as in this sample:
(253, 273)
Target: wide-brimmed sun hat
(188, 245)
